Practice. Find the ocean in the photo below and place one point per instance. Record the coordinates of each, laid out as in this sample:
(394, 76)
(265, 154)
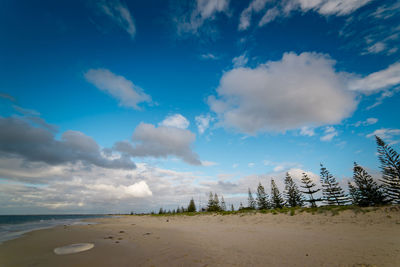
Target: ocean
(14, 226)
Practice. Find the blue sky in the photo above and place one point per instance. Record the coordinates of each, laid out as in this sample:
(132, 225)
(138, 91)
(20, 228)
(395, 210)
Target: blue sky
(113, 106)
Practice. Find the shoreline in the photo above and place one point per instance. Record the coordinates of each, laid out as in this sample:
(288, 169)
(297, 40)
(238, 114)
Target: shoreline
(346, 239)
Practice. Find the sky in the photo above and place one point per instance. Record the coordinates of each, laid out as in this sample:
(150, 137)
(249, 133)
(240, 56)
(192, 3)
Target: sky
(119, 106)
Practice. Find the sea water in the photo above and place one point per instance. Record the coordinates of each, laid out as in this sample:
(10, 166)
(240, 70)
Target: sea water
(13, 226)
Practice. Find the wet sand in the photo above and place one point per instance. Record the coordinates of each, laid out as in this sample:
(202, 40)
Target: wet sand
(347, 239)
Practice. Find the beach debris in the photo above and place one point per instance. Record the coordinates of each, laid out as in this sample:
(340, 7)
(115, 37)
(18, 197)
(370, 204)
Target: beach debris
(148, 233)
(121, 232)
(167, 220)
(73, 248)
(109, 237)
(116, 241)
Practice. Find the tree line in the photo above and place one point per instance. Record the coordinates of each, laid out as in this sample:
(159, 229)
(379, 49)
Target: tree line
(363, 191)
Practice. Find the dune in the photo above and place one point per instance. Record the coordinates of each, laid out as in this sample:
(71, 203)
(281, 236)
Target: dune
(346, 239)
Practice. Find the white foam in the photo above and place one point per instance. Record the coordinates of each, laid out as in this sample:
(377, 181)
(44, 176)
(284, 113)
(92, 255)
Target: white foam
(73, 248)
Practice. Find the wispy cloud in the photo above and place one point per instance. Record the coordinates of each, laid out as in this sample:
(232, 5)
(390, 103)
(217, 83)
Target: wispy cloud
(119, 13)
(377, 81)
(387, 134)
(240, 61)
(367, 122)
(205, 10)
(329, 133)
(128, 94)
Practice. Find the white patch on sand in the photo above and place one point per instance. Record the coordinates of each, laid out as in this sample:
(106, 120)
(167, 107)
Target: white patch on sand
(73, 248)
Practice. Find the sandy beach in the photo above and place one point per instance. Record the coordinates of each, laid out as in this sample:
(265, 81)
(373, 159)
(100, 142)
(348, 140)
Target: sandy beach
(347, 239)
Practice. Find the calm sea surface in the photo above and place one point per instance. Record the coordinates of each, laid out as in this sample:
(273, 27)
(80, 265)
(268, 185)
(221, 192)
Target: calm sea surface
(13, 226)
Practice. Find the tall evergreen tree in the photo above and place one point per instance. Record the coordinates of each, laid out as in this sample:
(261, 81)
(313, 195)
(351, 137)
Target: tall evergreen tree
(232, 208)
(178, 210)
(262, 198)
(213, 202)
(210, 205)
(192, 206)
(390, 165)
(276, 197)
(365, 191)
(293, 196)
(217, 207)
(241, 206)
(161, 211)
(308, 186)
(223, 205)
(251, 201)
(332, 193)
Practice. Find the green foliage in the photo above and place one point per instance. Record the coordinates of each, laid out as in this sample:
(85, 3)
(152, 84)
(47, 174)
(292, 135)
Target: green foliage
(293, 196)
(390, 166)
(192, 206)
(213, 203)
(308, 185)
(332, 193)
(365, 191)
(276, 197)
(262, 198)
(161, 211)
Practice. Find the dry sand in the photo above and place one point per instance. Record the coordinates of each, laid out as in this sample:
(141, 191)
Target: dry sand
(347, 239)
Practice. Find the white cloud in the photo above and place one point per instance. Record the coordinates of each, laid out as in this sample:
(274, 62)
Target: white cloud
(205, 10)
(380, 80)
(281, 166)
(367, 122)
(255, 6)
(307, 131)
(119, 13)
(387, 134)
(297, 91)
(269, 16)
(251, 165)
(322, 7)
(376, 48)
(176, 120)
(209, 56)
(163, 141)
(330, 132)
(240, 61)
(128, 94)
(208, 163)
(203, 122)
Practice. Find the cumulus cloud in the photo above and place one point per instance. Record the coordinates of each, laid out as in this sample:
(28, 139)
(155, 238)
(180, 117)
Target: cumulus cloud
(128, 94)
(329, 133)
(255, 6)
(119, 13)
(296, 91)
(162, 141)
(377, 81)
(203, 122)
(205, 10)
(387, 134)
(21, 139)
(176, 120)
